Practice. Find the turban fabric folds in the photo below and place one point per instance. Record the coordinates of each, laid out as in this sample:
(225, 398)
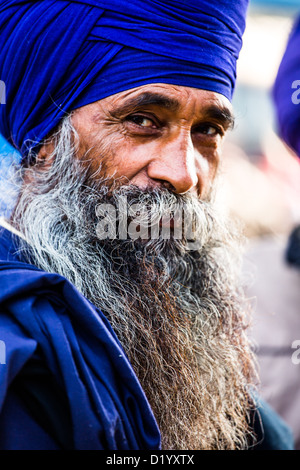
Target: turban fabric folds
(286, 92)
(57, 56)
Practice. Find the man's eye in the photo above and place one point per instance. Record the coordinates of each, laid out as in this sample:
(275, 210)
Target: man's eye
(208, 129)
(142, 121)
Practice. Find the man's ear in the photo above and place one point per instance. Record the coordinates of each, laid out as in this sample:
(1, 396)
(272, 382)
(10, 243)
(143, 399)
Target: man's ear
(45, 157)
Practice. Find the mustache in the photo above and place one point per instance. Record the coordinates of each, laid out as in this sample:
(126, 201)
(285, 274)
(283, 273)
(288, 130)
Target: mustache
(130, 213)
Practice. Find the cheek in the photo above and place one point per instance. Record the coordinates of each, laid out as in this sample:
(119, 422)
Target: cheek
(130, 160)
(124, 156)
(207, 164)
(102, 149)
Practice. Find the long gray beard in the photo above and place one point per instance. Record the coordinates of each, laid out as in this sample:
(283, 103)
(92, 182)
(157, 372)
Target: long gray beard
(179, 313)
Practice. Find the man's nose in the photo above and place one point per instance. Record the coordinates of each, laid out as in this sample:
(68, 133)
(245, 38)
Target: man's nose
(175, 164)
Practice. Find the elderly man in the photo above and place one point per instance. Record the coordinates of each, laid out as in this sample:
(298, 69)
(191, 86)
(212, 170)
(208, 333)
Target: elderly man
(123, 323)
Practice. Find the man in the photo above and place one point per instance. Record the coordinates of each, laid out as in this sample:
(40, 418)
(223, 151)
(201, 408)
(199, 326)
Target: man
(123, 323)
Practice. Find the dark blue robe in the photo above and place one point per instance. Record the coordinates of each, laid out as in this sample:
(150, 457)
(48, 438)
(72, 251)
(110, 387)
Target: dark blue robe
(65, 382)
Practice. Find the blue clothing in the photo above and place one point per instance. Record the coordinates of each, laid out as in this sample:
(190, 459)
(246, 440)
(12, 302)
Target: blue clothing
(66, 383)
(271, 431)
(56, 56)
(59, 345)
(286, 92)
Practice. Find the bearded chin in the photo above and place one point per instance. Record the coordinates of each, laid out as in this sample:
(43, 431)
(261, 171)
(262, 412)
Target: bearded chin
(179, 313)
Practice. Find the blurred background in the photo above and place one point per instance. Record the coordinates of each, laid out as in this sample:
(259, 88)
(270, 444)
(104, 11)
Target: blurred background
(261, 189)
(269, 177)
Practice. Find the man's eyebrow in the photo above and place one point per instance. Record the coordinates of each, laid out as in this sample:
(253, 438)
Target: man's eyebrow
(145, 99)
(222, 114)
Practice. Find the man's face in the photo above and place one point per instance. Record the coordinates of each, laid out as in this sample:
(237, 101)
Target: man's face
(156, 135)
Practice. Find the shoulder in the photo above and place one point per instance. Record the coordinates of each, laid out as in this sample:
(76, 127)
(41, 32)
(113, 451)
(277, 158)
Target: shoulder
(271, 430)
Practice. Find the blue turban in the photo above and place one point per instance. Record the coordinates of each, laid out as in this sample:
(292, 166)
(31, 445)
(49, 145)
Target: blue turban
(57, 56)
(286, 92)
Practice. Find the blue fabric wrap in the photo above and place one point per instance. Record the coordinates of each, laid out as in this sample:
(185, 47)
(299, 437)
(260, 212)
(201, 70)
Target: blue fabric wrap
(57, 56)
(107, 405)
(286, 97)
